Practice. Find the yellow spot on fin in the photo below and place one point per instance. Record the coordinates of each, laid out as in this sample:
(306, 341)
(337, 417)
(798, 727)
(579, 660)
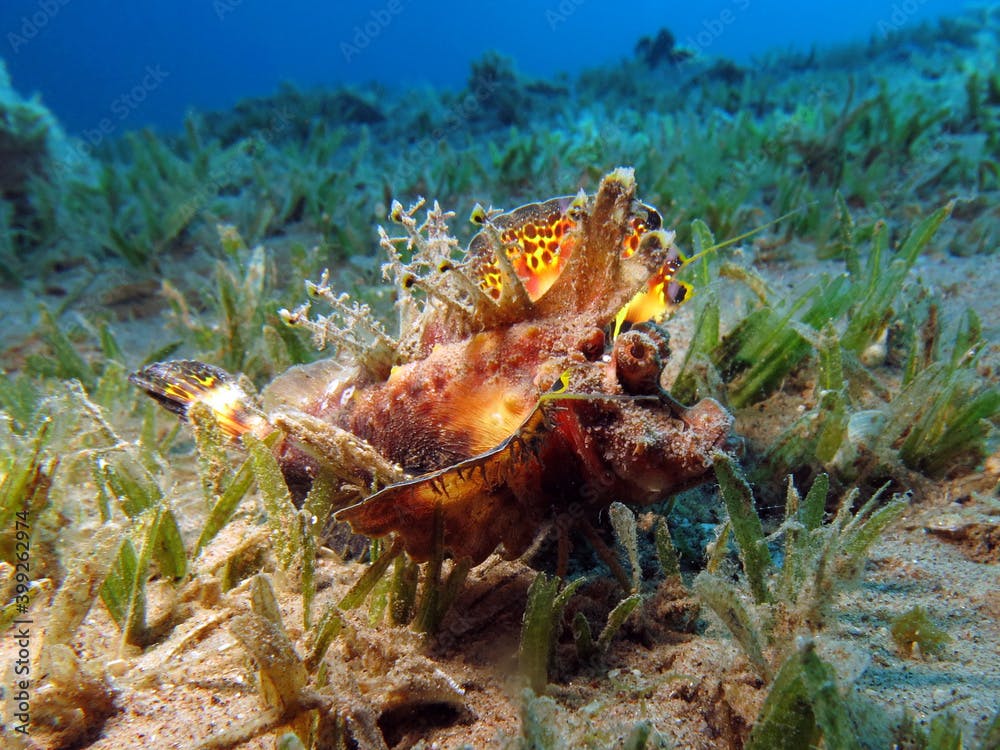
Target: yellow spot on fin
(179, 384)
(663, 294)
(538, 241)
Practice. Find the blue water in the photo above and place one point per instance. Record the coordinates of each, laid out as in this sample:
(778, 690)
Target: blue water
(129, 65)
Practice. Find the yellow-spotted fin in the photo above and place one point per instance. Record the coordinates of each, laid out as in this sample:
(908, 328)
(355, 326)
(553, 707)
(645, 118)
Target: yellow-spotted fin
(663, 294)
(179, 384)
(538, 240)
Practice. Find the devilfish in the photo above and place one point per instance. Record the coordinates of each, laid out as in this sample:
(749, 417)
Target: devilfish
(524, 382)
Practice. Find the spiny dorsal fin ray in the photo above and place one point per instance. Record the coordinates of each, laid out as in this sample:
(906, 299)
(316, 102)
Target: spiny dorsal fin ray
(600, 277)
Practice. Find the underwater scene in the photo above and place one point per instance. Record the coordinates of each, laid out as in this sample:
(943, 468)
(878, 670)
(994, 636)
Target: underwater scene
(524, 376)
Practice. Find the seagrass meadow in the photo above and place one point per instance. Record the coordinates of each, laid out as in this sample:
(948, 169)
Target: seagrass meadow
(832, 581)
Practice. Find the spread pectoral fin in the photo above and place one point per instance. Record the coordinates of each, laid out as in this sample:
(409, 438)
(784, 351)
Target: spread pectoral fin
(495, 497)
(478, 507)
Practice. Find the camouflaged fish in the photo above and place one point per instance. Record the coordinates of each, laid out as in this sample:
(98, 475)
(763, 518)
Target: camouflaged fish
(524, 385)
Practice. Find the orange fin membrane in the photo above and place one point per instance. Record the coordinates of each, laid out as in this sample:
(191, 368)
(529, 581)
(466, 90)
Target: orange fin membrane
(662, 295)
(179, 384)
(537, 240)
(474, 499)
(542, 247)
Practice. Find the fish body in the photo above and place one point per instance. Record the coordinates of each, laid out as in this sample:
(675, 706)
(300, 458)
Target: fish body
(524, 384)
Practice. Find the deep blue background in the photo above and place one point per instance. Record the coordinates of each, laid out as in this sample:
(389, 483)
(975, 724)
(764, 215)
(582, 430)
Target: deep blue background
(85, 57)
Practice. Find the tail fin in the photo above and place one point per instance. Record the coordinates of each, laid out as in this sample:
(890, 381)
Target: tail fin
(179, 384)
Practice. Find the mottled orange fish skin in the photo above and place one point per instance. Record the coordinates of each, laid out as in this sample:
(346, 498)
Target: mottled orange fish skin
(539, 239)
(539, 251)
(583, 446)
(464, 398)
(663, 294)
